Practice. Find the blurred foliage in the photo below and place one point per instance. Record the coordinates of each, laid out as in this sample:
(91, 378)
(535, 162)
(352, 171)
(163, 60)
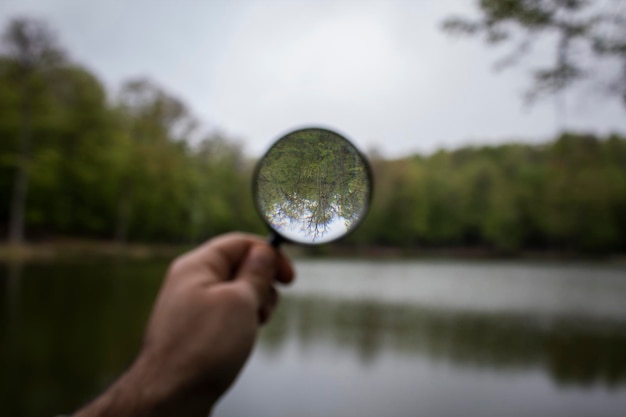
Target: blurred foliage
(588, 40)
(138, 167)
(566, 195)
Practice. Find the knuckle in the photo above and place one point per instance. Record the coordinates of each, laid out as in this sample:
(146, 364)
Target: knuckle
(178, 266)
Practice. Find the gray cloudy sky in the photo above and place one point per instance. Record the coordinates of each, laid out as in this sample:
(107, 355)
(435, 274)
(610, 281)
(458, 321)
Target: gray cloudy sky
(382, 72)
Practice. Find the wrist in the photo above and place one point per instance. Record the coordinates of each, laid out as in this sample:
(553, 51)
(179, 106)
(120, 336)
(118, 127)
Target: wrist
(139, 392)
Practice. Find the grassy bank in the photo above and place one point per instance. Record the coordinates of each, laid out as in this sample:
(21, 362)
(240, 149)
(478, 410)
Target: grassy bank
(83, 249)
(59, 249)
(86, 249)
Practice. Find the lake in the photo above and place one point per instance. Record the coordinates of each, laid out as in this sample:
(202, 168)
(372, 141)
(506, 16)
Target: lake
(351, 338)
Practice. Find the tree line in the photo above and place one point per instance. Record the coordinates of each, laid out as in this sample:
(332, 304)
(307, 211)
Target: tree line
(569, 194)
(76, 160)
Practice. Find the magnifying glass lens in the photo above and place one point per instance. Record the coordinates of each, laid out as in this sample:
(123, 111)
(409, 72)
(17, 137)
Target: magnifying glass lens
(312, 186)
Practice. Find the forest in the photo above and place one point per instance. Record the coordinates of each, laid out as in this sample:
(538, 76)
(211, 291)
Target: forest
(136, 165)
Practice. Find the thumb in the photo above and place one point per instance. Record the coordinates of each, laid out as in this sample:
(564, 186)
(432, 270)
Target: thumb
(258, 270)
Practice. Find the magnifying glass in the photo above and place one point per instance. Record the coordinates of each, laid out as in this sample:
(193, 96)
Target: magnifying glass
(313, 186)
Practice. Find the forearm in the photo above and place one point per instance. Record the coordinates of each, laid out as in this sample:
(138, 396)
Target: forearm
(140, 393)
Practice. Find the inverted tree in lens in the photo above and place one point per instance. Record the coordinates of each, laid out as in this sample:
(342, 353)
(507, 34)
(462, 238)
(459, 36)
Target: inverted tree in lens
(312, 186)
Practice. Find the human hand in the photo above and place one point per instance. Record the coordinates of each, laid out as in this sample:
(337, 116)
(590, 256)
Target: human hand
(201, 331)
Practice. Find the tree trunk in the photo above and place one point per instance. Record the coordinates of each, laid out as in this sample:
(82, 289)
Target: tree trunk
(124, 211)
(20, 181)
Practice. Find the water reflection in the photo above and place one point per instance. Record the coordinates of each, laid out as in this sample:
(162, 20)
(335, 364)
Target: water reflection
(69, 329)
(312, 186)
(572, 351)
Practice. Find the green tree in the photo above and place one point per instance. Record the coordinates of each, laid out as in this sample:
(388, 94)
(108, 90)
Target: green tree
(75, 163)
(32, 49)
(152, 185)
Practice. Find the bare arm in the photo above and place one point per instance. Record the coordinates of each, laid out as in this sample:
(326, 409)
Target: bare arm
(201, 330)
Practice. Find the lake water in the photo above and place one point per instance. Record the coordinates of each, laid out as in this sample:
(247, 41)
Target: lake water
(351, 338)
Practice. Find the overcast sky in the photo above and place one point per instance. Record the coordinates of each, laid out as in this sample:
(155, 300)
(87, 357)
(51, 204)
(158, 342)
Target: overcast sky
(382, 72)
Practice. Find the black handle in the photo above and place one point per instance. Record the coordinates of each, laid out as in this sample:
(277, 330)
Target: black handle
(275, 239)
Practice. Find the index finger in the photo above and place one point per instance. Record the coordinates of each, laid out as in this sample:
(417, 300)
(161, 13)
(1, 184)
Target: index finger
(223, 255)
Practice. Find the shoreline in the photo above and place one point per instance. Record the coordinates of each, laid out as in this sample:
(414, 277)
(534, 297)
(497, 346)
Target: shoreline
(88, 250)
(85, 249)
